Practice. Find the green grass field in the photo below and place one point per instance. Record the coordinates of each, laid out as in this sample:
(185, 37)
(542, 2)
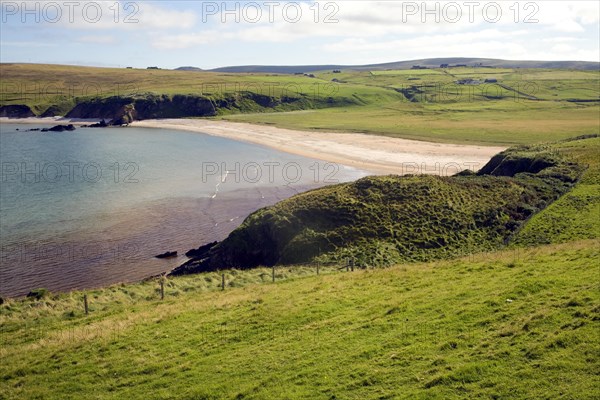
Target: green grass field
(508, 325)
(437, 109)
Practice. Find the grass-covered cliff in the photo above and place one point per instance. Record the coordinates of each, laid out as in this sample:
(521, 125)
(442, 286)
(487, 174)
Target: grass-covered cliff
(378, 221)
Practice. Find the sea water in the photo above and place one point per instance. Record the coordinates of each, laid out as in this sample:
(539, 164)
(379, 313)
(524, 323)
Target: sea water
(92, 207)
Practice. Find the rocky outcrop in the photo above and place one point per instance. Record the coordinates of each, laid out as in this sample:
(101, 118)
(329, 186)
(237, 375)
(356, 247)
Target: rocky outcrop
(16, 111)
(124, 110)
(52, 111)
(200, 251)
(60, 128)
(99, 108)
(168, 254)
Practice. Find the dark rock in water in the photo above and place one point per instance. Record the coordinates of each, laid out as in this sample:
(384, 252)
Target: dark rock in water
(33, 130)
(168, 254)
(60, 128)
(200, 251)
(16, 111)
(101, 124)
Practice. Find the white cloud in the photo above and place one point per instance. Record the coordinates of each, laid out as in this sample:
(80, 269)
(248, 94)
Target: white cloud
(489, 41)
(97, 15)
(371, 30)
(187, 40)
(98, 39)
(27, 44)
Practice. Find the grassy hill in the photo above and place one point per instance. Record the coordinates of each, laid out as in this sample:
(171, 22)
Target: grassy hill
(520, 323)
(576, 214)
(531, 106)
(378, 221)
(427, 62)
(523, 106)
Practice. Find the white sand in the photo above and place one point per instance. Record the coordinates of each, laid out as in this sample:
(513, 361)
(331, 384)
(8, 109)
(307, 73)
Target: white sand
(377, 154)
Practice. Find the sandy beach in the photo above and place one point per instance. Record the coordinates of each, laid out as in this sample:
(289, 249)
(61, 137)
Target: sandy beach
(377, 154)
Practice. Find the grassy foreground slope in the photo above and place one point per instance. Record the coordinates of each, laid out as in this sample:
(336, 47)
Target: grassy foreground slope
(515, 324)
(522, 106)
(508, 325)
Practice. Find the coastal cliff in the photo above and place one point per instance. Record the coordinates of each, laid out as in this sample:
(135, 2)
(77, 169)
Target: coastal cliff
(122, 110)
(16, 111)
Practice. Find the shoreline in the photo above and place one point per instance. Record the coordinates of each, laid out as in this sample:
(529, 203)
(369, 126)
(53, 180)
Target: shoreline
(381, 155)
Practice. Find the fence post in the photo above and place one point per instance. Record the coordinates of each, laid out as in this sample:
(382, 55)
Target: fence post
(85, 304)
(317, 268)
(162, 288)
(222, 281)
(273, 273)
(352, 265)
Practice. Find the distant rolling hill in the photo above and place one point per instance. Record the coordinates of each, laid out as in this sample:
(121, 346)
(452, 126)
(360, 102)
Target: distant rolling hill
(188, 69)
(428, 62)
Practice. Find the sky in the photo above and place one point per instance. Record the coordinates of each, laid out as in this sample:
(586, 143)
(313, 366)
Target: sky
(210, 34)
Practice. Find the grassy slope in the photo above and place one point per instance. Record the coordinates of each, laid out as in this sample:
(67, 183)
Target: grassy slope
(365, 101)
(504, 325)
(521, 323)
(447, 112)
(380, 221)
(43, 85)
(576, 214)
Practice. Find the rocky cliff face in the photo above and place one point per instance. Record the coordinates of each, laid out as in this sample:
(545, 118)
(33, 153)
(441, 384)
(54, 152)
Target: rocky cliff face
(123, 110)
(16, 111)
